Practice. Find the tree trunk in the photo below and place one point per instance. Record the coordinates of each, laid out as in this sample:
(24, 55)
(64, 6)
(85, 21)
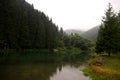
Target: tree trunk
(109, 54)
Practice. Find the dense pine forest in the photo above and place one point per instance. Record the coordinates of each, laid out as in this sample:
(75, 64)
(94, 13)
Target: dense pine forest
(23, 27)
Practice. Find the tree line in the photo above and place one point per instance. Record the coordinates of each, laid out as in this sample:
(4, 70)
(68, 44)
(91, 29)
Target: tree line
(76, 41)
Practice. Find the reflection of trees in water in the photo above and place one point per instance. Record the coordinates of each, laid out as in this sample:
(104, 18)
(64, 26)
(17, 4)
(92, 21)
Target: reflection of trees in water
(30, 72)
(60, 67)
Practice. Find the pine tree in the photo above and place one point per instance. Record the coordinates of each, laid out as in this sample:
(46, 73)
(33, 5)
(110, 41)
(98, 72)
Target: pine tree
(61, 33)
(107, 40)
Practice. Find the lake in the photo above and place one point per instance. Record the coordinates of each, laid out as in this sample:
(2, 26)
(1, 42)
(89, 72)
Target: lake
(42, 71)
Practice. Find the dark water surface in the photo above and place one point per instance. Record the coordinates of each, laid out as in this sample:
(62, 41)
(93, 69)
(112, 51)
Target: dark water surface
(41, 71)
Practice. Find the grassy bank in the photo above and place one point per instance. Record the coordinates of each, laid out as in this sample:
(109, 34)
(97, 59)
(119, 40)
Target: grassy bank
(107, 69)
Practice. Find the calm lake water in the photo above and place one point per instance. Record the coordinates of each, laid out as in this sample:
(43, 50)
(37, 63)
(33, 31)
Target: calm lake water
(42, 71)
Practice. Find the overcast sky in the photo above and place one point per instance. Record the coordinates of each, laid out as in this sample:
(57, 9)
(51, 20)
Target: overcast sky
(75, 14)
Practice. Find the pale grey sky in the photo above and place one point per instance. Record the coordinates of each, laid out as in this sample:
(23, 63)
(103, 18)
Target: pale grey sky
(75, 14)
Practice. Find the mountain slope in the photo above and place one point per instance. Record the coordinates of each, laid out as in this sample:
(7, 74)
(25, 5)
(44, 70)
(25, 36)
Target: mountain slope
(91, 34)
(69, 31)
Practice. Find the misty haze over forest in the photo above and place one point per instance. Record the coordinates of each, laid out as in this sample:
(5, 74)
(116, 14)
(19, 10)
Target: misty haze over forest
(75, 14)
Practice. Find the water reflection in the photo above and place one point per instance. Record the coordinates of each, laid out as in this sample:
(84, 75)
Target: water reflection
(68, 72)
(43, 71)
(27, 71)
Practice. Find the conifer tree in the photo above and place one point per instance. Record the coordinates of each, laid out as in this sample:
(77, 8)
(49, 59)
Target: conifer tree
(107, 40)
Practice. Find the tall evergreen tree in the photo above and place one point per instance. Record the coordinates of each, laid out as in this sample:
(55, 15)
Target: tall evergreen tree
(107, 40)
(61, 33)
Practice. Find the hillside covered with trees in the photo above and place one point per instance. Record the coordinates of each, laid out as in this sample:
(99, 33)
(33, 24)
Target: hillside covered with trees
(23, 27)
(90, 34)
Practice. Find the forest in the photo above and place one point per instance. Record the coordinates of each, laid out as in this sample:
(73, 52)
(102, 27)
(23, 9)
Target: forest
(23, 27)
(30, 33)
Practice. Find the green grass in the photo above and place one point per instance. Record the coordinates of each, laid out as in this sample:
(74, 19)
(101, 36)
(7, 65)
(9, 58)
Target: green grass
(88, 72)
(109, 70)
(113, 62)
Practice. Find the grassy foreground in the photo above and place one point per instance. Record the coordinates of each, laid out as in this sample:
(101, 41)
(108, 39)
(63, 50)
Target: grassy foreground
(106, 69)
